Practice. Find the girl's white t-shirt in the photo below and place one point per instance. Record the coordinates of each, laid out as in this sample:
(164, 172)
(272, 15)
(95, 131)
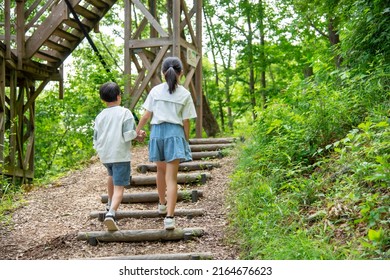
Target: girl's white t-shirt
(171, 108)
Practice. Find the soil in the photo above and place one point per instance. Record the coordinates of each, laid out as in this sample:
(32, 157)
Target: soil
(47, 225)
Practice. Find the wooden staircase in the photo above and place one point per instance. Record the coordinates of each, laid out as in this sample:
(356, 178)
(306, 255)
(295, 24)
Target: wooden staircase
(158, 235)
(62, 31)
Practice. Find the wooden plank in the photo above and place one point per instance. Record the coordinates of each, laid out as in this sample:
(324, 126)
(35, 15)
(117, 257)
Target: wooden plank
(210, 147)
(177, 256)
(137, 94)
(138, 214)
(141, 235)
(184, 166)
(227, 140)
(150, 43)
(206, 155)
(187, 178)
(150, 18)
(146, 197)
(59, 13)
(80, 10)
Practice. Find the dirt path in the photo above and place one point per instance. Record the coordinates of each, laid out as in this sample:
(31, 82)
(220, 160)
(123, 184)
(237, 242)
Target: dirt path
(46, 227)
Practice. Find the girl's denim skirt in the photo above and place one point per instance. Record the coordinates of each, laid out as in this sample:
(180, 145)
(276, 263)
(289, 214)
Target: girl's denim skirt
(167, 143)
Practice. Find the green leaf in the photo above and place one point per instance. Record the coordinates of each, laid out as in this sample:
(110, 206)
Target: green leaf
(375, 235)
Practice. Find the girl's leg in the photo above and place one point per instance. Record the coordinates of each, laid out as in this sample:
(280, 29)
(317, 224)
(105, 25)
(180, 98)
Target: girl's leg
(172, 169)
(161, 184)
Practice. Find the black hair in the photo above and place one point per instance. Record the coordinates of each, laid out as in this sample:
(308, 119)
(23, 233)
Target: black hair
(171, 68)
(109, 92)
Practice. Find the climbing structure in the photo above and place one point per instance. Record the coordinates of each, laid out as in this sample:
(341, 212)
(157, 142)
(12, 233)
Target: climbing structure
(36, 38)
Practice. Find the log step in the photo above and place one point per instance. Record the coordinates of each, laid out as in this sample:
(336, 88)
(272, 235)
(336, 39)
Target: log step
(210, 147)
(178, 256)
(184, 166)
(188, 178)
(196, 141)
(145, 197)
(100, 215)
(207, 155)
(93, 237)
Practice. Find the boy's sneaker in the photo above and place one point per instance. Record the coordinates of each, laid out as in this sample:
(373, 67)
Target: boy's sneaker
(110, 223)
(162, 208)
(169, 223)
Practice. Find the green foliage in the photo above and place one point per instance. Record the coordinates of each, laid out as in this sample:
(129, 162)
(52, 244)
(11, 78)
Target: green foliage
(316, 172)
(10, 199)
(64, 127)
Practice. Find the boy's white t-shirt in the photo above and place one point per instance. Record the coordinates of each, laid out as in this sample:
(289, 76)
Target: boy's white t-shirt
(114, 129)
(171, 108)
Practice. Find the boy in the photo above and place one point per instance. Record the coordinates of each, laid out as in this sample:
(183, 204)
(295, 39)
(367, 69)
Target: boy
(113, 131)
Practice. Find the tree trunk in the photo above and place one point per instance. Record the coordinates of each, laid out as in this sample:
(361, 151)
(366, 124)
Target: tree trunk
(210, 124)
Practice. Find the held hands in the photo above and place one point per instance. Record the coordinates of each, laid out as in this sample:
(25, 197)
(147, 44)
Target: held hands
(140, 136)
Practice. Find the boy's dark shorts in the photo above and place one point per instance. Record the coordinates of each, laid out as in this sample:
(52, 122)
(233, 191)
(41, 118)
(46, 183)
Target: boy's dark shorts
(120, 172)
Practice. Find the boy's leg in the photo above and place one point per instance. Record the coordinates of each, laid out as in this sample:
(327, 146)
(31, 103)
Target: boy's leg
(121, 178)
(117, 198)
(110, 221)
(110, 191)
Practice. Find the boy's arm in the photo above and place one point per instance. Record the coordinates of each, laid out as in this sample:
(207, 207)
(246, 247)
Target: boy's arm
(128, 130)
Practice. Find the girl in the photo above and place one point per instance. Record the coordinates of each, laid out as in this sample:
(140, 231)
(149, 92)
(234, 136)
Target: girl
(170, 108)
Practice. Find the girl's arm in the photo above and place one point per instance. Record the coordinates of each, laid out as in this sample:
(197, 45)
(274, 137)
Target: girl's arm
(146, 116)
(186, 126)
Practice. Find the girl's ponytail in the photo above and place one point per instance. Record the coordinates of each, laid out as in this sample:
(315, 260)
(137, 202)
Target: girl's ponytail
(172, 68)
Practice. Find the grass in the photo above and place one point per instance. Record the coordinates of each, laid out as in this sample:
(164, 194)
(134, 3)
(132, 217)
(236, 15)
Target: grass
(11, 198)
(336, 207)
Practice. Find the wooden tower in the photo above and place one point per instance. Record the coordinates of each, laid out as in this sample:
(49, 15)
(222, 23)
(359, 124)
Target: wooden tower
(156, 30)
(36, 38)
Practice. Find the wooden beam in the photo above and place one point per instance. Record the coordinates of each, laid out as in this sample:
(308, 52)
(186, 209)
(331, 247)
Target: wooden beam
(59, 13)
(184, 166)
(141, 235)
(156, 25)
(138, 214)
(148, 197)
(227, 140)
(199, 75)
(7, 15)
(150, 43)
(177, 256)
(137, 94)
(210, 147)
(189, 178)
(206, 155)
(176, 28)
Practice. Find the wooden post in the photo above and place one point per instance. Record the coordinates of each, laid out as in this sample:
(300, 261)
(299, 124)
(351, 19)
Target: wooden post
(2, 109)
(20, 33)
(176, 28)
(198, 71)
(127, 55)
(7, 10)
